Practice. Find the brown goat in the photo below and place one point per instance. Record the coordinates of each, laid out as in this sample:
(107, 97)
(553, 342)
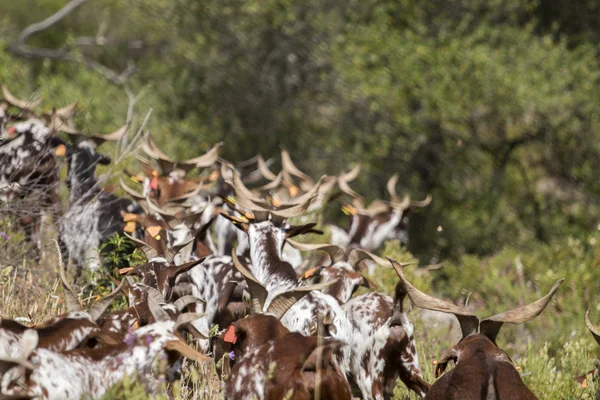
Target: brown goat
(483, 370)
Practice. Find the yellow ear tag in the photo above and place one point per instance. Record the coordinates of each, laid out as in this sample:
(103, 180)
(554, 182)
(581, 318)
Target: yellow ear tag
(213, 176)
(127, 217)
(309, 273)
(348, 210)
(130, 227)
(293, 190)
(154, 172)
(517, 368)
(60, 150)
(231, 199)
(153, 231)
(135, 325)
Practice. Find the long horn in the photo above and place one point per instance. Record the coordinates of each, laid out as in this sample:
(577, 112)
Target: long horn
(67, 111)
(376, 207)
(264, 169)
(114, 136)
(595, 331)
(491, 326)
(284, 301)
(172, 251)
(336, 253)
(152, 149)
(357, 255)
(149, 251)
(182, 348)
(391, 187)
(186, 318)
(423, 203)
(288, 165)
(185, 301)
(73, 304)
(274, 184)
(207, 159)
(155, 299)
(350, 175)
(468, 321)
(344, 187)
(23, 104)
(132, 192)
(310, 194)
(258, 293)
(165, 209)
(101, 305)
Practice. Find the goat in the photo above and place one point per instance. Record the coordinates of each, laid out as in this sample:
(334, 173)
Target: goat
(378, 222)
(93, 215)
(482, 370)
(91, 372)
(594, 373)
(275, 364)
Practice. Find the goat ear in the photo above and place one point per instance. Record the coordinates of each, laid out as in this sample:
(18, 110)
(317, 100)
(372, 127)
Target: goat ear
(300, 229)
(491, 326)
(258, 293)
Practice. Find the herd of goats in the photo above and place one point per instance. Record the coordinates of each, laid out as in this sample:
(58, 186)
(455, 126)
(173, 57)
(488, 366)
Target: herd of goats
(224, 275)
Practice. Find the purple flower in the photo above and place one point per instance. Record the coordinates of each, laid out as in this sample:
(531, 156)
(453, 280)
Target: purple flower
(4, 235)
(130, 339)
(148, 340)
(231, 355)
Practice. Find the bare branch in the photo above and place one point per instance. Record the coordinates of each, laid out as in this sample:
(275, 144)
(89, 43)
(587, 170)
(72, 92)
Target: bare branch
(64, 53)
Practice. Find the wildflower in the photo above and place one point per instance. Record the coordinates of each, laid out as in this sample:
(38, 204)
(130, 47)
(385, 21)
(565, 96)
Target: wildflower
(4, 236)
(231, 355)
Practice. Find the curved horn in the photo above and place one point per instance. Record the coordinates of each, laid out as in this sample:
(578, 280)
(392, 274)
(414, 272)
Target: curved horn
(284, 301)
(401, 205)
(116, 135)
(468, 321)
(207, 159)
(155, 299)
(336, 253)
(101, 305)
(71, 299)
(376, 207)
(423, 203)
(391, 187)
(595, 331)
(186, 318)
(67, 111)
(172, 251)
(185, 301)
(491, 326)
(258, 293)
(264, 169)
(130, 191)
(150, 148)
(23, 104)
(274, 184)
(165, 209)
(357, 255)
(149, 251)
(186, 351)
(350, 175)
(288, 165)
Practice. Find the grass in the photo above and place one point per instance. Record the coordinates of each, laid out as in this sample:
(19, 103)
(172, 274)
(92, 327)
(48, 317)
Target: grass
(550, 351)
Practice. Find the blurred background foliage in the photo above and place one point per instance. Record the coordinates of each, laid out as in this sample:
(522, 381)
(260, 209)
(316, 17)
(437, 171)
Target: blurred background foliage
(491, 106)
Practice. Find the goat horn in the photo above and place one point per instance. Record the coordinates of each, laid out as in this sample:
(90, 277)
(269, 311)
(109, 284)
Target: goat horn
(423, 203)
(595, 331)
(357, 255)
(288, 165)
(182, 348)
(114, 136)
(150, 148)
(336, 253)
(264, 169)
(149, 251)
(274, 184)
(391, 187)
(155, 299)
(468, 321)
(73, 304)
(132, 192)
(23, 104)
(185, 301)
(284, 301)
(375, 208)
(207, 159)
(258, 293)
(67, 111)
(350, 175)
(101, 305)
(172, 251)
(171, 211)
(491, 326)
(186, 318)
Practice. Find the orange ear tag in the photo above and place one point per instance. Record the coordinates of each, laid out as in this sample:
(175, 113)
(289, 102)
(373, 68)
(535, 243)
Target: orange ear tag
(293, 190)
(230, 336)
(153, 231)
(127, 217)
(61, 150)
(130, 227)
(275, 201)
(213, 176)
(309, 273)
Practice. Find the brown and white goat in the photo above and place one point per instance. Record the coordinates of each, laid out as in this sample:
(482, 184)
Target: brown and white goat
(482, 369)
(272, 363)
